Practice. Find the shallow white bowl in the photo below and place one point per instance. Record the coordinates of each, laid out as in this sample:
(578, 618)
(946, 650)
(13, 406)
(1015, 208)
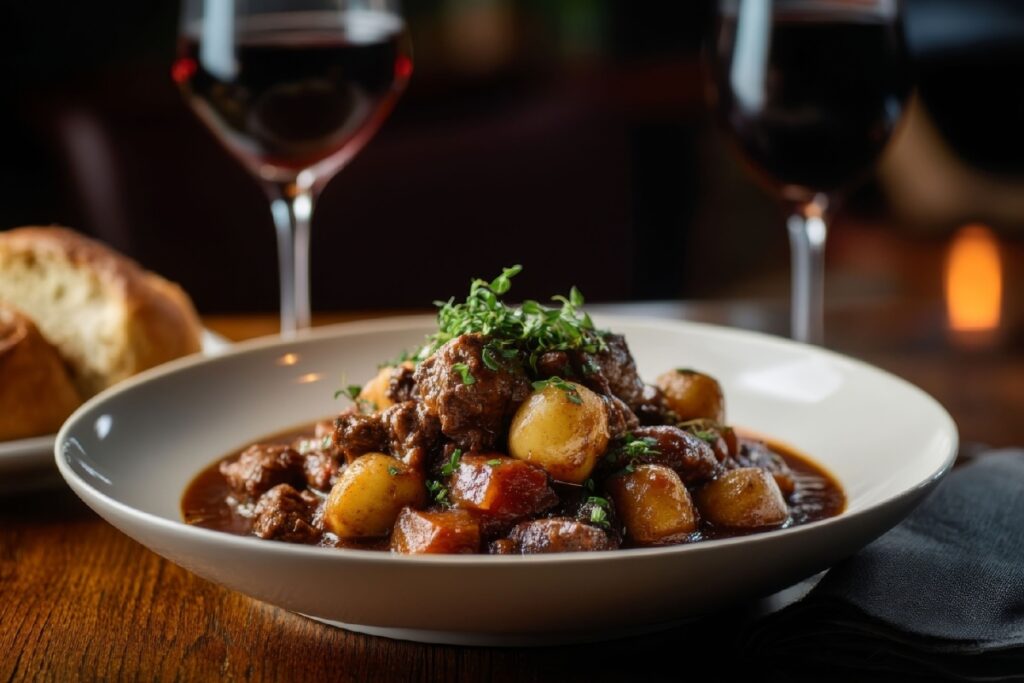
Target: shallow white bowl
(130, 452)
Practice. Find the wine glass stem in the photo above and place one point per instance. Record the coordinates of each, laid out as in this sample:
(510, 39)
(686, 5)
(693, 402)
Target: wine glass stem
(292, 207)
(807, 233)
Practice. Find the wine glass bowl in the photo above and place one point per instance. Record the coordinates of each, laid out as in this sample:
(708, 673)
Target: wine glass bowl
(810, 92)
(294, 90)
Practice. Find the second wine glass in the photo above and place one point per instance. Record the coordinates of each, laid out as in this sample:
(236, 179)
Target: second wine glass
(810, 91)
(294, 89)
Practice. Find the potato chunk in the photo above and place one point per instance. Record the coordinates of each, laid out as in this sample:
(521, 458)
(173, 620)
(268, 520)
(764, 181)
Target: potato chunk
(693, 395)
(447, 532)
(744, 498)
(369, 494)
(561, 429)
(653, 504)
(375, 392)
(501, 486)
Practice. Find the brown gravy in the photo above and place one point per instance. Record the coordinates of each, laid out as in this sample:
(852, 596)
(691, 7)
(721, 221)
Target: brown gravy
(210, 503)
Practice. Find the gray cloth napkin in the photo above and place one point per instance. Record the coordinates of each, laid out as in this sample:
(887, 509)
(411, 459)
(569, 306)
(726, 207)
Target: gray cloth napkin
(939, 596)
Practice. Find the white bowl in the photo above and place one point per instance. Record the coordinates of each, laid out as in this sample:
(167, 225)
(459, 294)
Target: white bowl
(130, 452)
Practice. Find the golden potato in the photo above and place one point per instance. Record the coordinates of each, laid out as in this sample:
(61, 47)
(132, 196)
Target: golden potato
(562, 429)
(369, 494)
(693, 395)
(375, 391)
(744, 498)
(653, 504)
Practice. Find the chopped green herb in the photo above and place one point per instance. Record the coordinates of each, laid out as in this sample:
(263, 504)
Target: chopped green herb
(448, 469)
(487, 356)
(352, 391)
(589, 484)
(557, 382)
(630, 450)
(494, 463)
(530, 328)
(599, 516)
(438, 491)
(598, 500)
(706, 435)
(463, 370)
(392, 470)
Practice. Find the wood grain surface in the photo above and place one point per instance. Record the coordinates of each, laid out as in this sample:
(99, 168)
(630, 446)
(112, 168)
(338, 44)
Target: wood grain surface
(81, 601)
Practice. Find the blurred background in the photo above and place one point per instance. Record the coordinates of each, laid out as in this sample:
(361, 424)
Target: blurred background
(571, 136)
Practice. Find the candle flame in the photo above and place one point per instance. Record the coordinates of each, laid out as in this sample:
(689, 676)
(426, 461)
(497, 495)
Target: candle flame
(974, 280)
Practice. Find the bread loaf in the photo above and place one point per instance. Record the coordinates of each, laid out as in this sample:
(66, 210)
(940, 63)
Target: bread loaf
(36, 393)
(108, 317)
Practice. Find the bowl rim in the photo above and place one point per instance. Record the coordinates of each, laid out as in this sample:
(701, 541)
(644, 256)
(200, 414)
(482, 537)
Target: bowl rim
(98, 499)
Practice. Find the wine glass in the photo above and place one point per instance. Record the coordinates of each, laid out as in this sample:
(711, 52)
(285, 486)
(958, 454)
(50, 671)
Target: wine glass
(810, 91)
(294, 89)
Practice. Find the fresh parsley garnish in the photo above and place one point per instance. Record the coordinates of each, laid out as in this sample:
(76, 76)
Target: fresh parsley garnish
(494, 463)
(558, 383)
(438, 491)
(392, 470)
(352, 391)
(463, 370)
(599, 511)
(530, 328)
(448, 469)
(631, 450)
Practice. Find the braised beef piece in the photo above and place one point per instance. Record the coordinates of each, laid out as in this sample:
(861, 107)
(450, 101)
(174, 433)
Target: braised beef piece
(402, 385)
(691, 457)
(757, 454)
(611, 372)
(263, 466)
(620, 418)
(558, 535)
(284, 514)
(558, 364)
(356, 433)
(590, 507)
(321, 469)
(473, 402)
(653, 408)
(617, 373)
(411, 433)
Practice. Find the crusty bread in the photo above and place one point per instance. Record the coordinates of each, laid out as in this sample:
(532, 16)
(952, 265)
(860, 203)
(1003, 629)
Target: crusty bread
(36, 393)
(108, 317)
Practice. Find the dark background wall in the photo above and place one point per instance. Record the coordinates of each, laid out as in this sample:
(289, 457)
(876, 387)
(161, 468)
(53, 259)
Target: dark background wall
(568, 136)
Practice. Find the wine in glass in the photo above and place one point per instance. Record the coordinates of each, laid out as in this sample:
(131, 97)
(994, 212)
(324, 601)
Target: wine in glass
(294, 88)
(810, 91)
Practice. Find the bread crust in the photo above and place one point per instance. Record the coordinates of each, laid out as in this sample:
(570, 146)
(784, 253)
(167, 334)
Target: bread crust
(160, 323)
(36, 393)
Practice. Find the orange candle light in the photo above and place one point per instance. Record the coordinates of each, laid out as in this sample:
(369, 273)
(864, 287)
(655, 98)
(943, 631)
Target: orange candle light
(974, 286)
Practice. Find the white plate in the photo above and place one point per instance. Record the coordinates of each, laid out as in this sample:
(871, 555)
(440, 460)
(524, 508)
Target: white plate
(130, 452)
(27, 464)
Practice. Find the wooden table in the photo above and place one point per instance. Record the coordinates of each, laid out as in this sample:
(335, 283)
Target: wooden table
(79, 600)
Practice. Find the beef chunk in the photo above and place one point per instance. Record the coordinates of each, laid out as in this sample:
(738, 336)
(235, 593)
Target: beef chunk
(356, 434)
(472, 402)
(263, 466)
(691, 457)
(756, 454)
(558, 535)
(653, 409)
(620, 418)
(618, 369)
(284, 514)
(321, 469)
(411, 433)
(402, 385)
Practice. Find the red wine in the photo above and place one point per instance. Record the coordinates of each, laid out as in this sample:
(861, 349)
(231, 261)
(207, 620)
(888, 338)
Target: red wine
(812, 98)
(291, 91)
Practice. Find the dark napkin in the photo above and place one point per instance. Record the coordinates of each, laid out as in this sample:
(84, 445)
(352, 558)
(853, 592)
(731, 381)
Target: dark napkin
(939, 596)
